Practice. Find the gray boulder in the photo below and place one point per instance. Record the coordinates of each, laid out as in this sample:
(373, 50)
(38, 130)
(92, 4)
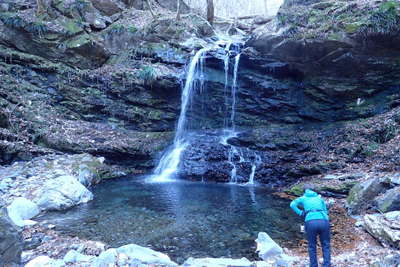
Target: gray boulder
(74, 256)
(144, 255)
(266, 247)
(362, 195)
(395, 179)
(22, 209)
(10, 241)
(388, 261)
(220, 262)
(106, 258)
(108, 7)
(385, 228)
(389, 201)
(271, 253)
(62, 193)
(45, 261)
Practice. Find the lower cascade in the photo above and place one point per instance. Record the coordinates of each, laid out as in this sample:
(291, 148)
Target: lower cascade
(168, 166)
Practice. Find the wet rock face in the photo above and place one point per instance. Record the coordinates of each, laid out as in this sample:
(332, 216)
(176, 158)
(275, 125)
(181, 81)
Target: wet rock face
(10, 242)
(345, 64)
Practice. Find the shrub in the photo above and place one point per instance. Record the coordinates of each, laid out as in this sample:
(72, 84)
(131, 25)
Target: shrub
(385, 19)
(147, 74)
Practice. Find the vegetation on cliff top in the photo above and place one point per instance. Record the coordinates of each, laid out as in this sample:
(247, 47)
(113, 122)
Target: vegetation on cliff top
(335, 19)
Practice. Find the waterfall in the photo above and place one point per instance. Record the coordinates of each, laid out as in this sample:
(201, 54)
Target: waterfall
(169, 162)
(229, 131)
(233, 92)
(237, 156)
(256, 162)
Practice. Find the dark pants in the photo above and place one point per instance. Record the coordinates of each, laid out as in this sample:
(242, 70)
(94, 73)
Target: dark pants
(319, 228)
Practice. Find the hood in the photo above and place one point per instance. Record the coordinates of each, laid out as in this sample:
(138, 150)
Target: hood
(310, 193)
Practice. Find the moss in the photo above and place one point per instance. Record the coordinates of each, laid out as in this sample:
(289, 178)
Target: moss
(73, 27)
(132, 29)
(116, 29)
(296, 190)
(385, 205)
(353, 193)
(78, 41)
(342, 188)
(334, 36)
(35, 62)
(385, 19)
(351, 28)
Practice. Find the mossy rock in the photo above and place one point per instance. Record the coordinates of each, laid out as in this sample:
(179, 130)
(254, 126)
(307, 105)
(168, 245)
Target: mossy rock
(341, 188)
(352, 28)
(72, 27)
(78, 41)
(390, 201)
(362, 194)
(296, 190)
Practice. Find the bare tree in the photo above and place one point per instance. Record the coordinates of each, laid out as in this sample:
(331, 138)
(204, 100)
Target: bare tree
(266, 7)
(39, 7)
(178, 10)
(210, 11)
(150, 9)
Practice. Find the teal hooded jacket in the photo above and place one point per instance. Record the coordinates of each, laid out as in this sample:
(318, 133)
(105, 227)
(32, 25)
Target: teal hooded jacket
(310, 202)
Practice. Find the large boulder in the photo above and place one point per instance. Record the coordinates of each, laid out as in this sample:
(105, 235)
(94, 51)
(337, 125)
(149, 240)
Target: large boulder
(217, 262)
(108, 7)
(145, 256)
(361, 196)
(384, 227)
(74, 256)
(45, 261)
(266, 247)
(21, 210)
(11, 244)
(61, 193)
(271, 253)
(389, 201)
(106, 258)
(388, 261)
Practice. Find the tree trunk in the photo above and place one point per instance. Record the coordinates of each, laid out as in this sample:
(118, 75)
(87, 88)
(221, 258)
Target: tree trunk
(266, 7)
(39, 7)
(150, 9)
(178, 10)
(210, 11)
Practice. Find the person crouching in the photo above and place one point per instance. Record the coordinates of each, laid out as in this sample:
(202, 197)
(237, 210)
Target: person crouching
(315, 215)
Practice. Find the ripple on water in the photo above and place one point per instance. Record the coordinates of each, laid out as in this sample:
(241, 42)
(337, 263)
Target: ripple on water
(181, 219)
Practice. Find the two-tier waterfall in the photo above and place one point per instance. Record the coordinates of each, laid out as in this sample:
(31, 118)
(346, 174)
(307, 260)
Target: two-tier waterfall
(169, 163)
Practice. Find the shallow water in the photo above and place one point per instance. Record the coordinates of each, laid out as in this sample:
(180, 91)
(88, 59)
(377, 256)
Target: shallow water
(181, 219)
